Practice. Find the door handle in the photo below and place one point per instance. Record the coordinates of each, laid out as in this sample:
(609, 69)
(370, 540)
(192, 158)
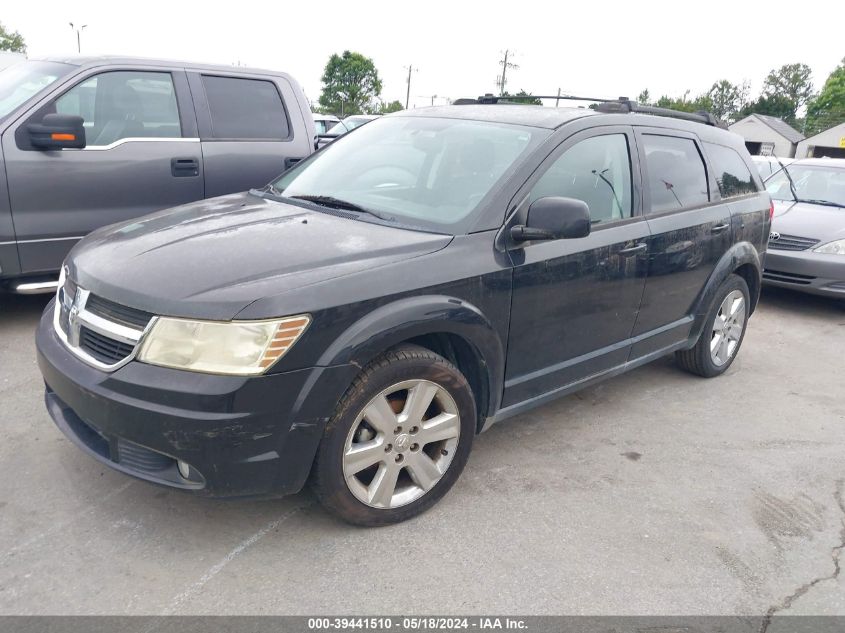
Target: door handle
(184, 167)
(719, 228)
(633, 250)
(290, 162)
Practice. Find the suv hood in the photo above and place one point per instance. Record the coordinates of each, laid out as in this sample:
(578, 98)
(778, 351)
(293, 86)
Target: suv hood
(805, 219)
(212, 258)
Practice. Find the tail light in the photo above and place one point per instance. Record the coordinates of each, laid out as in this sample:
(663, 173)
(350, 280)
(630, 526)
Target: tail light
(771, 210)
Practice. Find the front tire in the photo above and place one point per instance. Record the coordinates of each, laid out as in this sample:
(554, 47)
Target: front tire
(398, 440)
(723, 333)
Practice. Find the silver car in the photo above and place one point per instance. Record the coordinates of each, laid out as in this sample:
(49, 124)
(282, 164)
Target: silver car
(807, 242)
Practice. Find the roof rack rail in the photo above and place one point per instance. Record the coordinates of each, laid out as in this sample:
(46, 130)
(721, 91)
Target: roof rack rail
(620, 105)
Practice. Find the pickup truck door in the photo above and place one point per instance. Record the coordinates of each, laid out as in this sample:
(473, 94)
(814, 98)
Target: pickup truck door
(142, 154)
(251, 129)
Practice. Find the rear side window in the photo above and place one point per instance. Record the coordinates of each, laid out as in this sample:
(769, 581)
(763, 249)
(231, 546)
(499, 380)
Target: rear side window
(732, 174)
(245, 108)
(677, 178)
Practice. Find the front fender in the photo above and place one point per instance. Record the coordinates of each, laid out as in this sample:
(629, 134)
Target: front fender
(399, 321)
(740, 254)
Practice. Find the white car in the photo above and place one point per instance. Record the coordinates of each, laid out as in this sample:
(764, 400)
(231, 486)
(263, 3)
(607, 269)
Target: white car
(769, 165)
(324, 122)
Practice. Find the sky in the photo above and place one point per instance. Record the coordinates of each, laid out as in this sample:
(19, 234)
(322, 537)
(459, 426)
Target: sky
(598, 49)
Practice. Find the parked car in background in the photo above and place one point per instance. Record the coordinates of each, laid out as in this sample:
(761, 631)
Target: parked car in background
(346, 125)
(363, 317)
(807, 242)
(768, 165)
(324, 122)
(92, 141)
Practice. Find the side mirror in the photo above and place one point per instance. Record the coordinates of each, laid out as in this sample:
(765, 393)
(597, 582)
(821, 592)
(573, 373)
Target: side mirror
(58, 131)
(554, 218)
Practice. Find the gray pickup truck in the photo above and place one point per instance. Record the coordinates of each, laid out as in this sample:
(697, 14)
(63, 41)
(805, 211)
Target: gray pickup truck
(88, 142)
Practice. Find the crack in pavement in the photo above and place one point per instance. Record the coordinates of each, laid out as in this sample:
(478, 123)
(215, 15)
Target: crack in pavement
(836, 553)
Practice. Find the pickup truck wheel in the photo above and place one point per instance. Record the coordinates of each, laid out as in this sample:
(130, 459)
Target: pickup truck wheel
(723, 331)
(398, 440)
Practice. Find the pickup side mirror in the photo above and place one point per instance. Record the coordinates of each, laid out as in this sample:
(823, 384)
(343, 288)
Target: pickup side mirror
(58, 131)
(554, 218)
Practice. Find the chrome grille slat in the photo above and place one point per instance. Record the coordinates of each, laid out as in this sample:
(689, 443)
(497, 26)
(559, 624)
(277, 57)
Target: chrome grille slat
(102, 333)
(792, 243)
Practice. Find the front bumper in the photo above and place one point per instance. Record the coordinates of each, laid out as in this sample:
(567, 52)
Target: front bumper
(241, 436)
(806, 271)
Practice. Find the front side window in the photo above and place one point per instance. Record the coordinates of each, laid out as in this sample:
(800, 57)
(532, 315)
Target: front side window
(124, 104)
(22, 81)
(245, 108)
(732, 174)
(813, 183)
(596, 170)
(677, 178)
(421, 172)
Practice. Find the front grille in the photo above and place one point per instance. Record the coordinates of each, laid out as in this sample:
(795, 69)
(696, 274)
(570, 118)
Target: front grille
(792, 243)
(791, 278)
(103, 348)
(117, 313)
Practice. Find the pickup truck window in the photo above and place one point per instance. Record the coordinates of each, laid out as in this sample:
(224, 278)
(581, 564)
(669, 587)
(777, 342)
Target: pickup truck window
(245, 108)
(120, 104)
(596, 170)
(24, 80)
(677, 178)
(424, 172)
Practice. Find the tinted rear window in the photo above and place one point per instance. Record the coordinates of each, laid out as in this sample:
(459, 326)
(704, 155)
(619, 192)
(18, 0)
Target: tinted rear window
(245, 108)
(677, 178)
(731, 172)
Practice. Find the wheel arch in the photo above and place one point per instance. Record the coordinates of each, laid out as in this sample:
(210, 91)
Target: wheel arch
(451, 327)
(741, 259)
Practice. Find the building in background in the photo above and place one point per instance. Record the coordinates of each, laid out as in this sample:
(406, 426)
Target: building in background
(830, 143)
(768, 136)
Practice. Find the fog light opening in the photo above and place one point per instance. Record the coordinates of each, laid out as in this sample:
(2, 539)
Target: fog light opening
(184, 469)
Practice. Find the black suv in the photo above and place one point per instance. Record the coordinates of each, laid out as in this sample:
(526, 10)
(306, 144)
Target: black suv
(362, 318)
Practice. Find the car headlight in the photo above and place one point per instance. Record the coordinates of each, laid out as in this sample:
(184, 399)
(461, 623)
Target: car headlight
(240, 348)
(831, 248)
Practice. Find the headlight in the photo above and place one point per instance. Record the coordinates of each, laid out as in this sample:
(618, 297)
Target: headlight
(241, 348)
(831, 248)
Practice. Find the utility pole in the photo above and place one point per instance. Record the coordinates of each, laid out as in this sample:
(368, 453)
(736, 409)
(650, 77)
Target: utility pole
(408, 93)
(505, 64)
(78, 36)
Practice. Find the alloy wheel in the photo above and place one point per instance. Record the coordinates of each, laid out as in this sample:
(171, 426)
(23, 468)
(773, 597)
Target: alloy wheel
(401, 444)
(727, 328)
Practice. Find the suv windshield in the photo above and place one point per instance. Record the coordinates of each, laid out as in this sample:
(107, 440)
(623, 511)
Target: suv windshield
(22, 81)
(813, 183)
(426, 172)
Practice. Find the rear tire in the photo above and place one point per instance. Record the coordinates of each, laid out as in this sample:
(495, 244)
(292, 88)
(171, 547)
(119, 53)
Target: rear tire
(723, 333)
(397, 441)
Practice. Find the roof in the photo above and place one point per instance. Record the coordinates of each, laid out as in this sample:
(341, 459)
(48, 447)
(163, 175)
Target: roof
(840, 125)
(105, 60)
(781, 127)
(535, 116)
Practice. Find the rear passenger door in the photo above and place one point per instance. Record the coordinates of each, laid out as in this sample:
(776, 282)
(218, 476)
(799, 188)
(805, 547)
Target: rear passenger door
(246, 131)
(690, 231)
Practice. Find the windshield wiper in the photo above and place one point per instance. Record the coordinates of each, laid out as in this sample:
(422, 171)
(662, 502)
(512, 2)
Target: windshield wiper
(336, 203)
(827, 203)
(789, 177)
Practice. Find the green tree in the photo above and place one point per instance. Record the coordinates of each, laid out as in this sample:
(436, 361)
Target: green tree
(393, 106)
(644, 97)
(10, 41)
(351, 84)
(725, 99)
(828, 109)
(791, 81)
(525, 101)
(775, 105)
